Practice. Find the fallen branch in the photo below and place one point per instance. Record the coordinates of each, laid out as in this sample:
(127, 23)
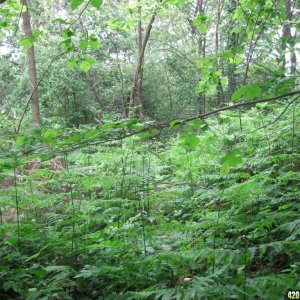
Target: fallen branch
(178, 122)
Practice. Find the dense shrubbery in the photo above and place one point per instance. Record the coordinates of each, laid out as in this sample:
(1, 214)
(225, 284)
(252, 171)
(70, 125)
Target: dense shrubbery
(212, 213)
(114, 188)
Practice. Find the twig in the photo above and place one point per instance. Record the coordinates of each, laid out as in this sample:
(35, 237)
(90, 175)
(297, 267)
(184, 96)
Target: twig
(80, 14)
(277, 118)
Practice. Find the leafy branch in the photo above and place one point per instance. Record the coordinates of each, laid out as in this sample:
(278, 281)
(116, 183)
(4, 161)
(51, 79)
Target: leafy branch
(178, 122)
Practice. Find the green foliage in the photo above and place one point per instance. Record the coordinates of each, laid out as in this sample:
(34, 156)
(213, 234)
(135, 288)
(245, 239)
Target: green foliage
(146, 219)
(94, 205)
(189, 140)
(199, 22)
(96, 3)
(86, 64)
(247, 92)
(76, 3)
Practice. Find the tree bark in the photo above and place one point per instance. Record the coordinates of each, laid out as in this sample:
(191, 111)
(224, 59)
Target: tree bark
(220, 96)
(232, 43)
(218, 16)
(136, 107)
(288, 41)
(36, 119)
(201, 54)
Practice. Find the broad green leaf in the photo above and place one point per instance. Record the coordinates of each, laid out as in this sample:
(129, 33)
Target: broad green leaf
(195, 123)
(202, 28)
(189, 140)
(247, 92)
(238, 60)
(96, 3)
(3, 24)
(83, 44)
(199, 22)
(205, 127)
(75, 3)
(218, 73)
(90, 60)
(94, 43)
(232, 159)
(50, 134)
(68, 45)
(72, 63)
(225, 168)
(86, 64)
(26, 42)
(67, 33)
(17, 6)
(253, 91)
(21, 140)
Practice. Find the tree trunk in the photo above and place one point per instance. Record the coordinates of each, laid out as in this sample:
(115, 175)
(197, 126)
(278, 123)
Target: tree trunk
(232, 43)
(136, 107)
(36, 119)
(288, 41)
(220, 97)
(218, 16)
(201, 54)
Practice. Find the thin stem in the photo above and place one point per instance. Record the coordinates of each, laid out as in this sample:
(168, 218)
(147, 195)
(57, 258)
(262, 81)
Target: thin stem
(17, 208)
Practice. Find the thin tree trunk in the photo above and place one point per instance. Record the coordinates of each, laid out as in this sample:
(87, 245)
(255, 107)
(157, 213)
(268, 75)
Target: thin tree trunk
(293, 58)
(218, 16)
(220, 96)
(232, 43)
(136, 101)
(140, 75)
(288, 39)
(201, 54)
(36, 119)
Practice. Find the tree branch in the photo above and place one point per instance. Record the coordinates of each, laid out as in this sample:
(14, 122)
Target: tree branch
(180, 122)
(277, 118)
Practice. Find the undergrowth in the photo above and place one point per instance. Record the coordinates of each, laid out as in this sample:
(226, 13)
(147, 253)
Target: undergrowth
(203, 211)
